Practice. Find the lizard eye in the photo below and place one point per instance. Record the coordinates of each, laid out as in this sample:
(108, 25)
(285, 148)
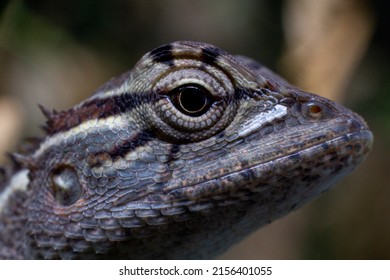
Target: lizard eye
(192, 100)
(66, 185)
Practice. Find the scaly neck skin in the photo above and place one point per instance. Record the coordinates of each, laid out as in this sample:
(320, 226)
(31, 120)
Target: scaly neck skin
(179, 158)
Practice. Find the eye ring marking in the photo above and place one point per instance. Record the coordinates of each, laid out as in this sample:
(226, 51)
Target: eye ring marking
(65, 185)
(191, 99)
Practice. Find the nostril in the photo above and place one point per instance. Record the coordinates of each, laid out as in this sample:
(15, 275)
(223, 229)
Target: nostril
(316, 110)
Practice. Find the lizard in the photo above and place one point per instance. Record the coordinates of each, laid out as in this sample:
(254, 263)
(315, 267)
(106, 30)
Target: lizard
(178, 158)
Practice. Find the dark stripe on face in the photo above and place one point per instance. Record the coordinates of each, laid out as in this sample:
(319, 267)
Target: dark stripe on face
(173, 153)
(123, 147)
(163, 54)
(210, 55)
(94, 109)
(106, 107)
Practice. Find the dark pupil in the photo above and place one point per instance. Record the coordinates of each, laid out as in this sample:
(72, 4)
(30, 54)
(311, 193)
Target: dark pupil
(192, 100)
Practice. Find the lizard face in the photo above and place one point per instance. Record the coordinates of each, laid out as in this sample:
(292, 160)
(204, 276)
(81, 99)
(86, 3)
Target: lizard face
(183, 156)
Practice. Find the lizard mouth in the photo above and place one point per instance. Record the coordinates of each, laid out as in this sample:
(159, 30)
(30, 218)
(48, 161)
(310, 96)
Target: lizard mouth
(312, 168)
(273, 172)
(312, 157)
(274, 188)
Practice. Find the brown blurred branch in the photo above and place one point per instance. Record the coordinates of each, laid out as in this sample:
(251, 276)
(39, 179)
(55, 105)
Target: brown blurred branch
(10, 125)
(325, 41)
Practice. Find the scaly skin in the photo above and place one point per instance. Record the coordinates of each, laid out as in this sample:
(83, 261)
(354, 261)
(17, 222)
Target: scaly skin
(178, 158)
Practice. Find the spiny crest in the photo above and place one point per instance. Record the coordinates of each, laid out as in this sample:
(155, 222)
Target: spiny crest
(22, 158)
(64, 120)
(50, 116)
(18, 159)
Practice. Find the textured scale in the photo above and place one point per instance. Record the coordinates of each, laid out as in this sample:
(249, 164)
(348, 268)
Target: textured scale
(180, 157)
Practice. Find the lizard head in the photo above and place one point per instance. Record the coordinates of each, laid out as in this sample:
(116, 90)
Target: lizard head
(182, 156)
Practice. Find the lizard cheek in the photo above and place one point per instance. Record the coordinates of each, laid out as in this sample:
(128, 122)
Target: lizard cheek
(65, 185)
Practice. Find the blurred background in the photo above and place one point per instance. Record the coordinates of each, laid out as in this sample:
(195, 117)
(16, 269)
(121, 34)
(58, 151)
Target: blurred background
(55, 53)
